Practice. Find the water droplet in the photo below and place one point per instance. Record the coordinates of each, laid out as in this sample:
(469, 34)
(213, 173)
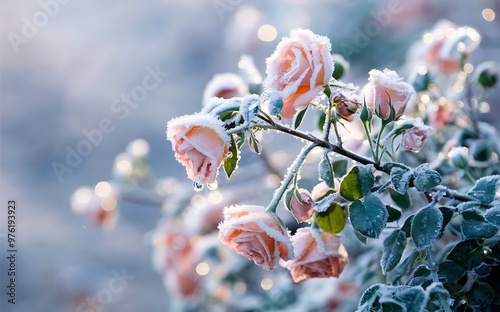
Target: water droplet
(197, 187)
(213, 186)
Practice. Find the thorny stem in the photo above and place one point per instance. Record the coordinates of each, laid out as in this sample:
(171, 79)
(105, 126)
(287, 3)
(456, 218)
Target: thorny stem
(357, 158)
(292, 171)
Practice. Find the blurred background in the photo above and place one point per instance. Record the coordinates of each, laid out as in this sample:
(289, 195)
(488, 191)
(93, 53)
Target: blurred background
(66, 70)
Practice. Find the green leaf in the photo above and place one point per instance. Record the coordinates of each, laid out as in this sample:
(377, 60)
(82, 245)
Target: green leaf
(357, 183)
(254, 144)
(403, 268)
(394, 214)
(288, 197)
(413, 298)
(321, 120)
(297, 120)
(451, 271)
(403, 201)
(468, 253)
(475, 226)
(231, 163)
(447, 215)
(400, 178)
(407, 225)
(340, 167)
(492, 215)
(363, 239)
(370, 295)
(394, 245)
(368, 217)
(426, 178)
(480, 296)
(426, 227)
(421, 275)
(485, 189)
(332, 220)
(275, 104)
(325, 171)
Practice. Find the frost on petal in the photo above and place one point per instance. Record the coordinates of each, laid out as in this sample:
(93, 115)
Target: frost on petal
(225, 85)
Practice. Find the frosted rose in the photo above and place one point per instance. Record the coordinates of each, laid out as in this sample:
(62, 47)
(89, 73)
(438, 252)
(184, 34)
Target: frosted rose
(302, 206)
(442, 116)
(101, 211)
(298, 69)
(200, 144)
(449, 45)
(385, 87)
(226, 86)
(256, 234)
(318, 254)
(347, 105)
(414, 138)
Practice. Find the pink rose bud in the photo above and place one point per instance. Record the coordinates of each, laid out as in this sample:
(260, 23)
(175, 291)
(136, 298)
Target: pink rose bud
(385, 91)
(318, 254)
(346, 105)
(256, 234)
(226, 86)
(302, 206)
(298, 69)
(414, 138)
(321, 189)
(200, 144)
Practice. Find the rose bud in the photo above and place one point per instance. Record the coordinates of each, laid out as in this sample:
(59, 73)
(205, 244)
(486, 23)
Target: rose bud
(486, 74)
(302, 206)
(346, 105)
(385, 92)
(414, 138)
(298, 69)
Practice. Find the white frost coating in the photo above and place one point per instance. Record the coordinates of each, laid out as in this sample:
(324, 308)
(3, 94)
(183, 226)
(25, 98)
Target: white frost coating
(304, 45)
(390, 79)
(201, 120)
(228, 84)
(238, 217)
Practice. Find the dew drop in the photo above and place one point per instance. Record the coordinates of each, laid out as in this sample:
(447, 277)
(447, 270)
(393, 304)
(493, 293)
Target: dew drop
(213, 186)
(197, 187)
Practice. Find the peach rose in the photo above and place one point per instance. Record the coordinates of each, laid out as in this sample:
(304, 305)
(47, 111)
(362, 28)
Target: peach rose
(302, 207)
(298, 69)
(384, 88)
(448, 45)
(200, 144)
(318, 254)
(101, 211)
(442, 116)
(256, 234)
(414, 138)
(226, 86)
(321, 189)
